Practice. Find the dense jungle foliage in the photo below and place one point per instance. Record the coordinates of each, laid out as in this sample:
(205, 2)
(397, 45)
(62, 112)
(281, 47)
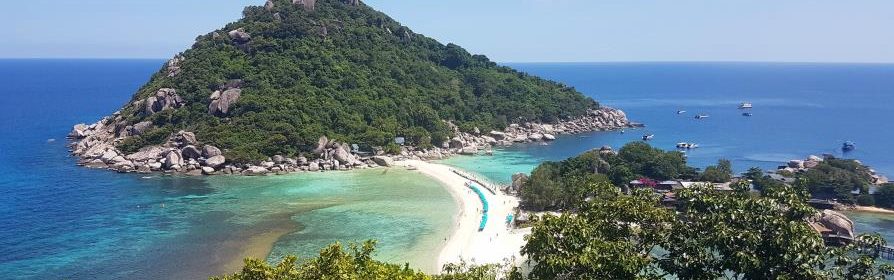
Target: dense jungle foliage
(346, 72)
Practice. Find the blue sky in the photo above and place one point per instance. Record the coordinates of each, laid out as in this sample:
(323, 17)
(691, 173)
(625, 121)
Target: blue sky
(505, 30)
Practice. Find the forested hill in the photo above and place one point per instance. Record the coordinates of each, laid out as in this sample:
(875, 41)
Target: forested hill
(292, 71)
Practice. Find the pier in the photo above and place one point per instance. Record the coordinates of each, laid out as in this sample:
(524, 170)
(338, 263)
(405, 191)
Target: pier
(884, 252)
(491, 187)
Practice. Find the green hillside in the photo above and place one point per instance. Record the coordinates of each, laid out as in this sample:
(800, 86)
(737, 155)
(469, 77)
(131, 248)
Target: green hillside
(336, 68)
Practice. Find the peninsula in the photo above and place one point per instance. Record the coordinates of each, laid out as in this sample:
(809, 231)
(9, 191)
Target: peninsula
(326, 85)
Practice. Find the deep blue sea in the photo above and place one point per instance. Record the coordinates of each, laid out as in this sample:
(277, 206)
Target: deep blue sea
(58, 220)
(799, 109)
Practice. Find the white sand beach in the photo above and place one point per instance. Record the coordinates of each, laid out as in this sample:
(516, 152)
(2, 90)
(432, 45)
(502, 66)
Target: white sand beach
(497, 243)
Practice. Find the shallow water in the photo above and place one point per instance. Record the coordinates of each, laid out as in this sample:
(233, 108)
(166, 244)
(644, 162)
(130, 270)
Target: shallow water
(58, 220)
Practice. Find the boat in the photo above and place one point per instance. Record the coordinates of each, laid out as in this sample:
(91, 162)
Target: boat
(686, 145)
(848, 146)
(681, 112)
(747, 114)
(702, 116)
(746, 105)
(648, 137)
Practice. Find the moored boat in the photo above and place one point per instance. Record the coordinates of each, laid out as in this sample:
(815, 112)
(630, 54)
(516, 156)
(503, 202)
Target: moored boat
(648, 137)
(747, 114)
(686, 145)
(746, 105)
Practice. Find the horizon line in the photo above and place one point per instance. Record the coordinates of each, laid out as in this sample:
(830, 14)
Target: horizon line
(521, 62)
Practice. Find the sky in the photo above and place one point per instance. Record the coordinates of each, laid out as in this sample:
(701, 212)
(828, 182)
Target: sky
(504, 30)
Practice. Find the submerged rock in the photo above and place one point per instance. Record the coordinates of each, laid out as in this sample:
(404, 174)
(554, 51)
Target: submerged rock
(255, 171)
(383, 161)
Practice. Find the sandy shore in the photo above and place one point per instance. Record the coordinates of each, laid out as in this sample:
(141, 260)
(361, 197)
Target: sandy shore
(496, 244)
(871, 209)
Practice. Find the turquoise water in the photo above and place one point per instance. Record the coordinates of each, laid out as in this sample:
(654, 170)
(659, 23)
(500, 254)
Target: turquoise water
(58, 220)
(800, 109)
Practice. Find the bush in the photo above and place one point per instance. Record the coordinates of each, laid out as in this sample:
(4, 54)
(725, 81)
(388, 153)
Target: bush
(884, 197)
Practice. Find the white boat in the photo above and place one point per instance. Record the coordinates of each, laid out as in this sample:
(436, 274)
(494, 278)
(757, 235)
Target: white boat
(702, 116)
(681, 112)
(648, 137)
(685, 145)
(746, 105)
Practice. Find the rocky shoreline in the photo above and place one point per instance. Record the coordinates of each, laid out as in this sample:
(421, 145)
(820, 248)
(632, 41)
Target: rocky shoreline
(96, 147)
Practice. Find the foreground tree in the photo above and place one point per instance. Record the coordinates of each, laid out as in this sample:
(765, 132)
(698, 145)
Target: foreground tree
(334, 262)
(612, 237)
(711, 235)
(337, 263)
(744, 235)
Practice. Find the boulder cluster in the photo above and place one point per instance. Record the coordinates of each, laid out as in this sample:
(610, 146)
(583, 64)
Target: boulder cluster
(466, 143)
(164, 99)
(96, 144)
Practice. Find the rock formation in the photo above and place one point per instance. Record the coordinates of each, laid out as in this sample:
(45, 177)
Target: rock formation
(210, 151)
(309, 5)
(173, 66)
(164, 99)
(221, 102)
(239, 36)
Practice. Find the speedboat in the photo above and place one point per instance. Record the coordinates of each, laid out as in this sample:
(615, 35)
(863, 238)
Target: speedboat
(648, 137)
(681, 112)
(685, 145)
(702, 116)
(747, 114)
(746, 105)
(848, 146)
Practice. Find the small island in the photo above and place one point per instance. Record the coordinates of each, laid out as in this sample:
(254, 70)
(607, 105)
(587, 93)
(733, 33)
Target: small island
(327, 85)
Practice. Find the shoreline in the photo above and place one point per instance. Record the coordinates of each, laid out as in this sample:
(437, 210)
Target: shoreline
(97, 146)
(495, 243)
(871, 209)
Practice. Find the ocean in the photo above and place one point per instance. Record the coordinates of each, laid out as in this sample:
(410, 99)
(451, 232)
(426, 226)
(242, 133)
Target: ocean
(58, 220)
(61, 221)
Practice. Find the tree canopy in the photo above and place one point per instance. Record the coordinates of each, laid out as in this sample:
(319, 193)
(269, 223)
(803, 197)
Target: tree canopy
(558, 185)
(343, 71)
(710, 235)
